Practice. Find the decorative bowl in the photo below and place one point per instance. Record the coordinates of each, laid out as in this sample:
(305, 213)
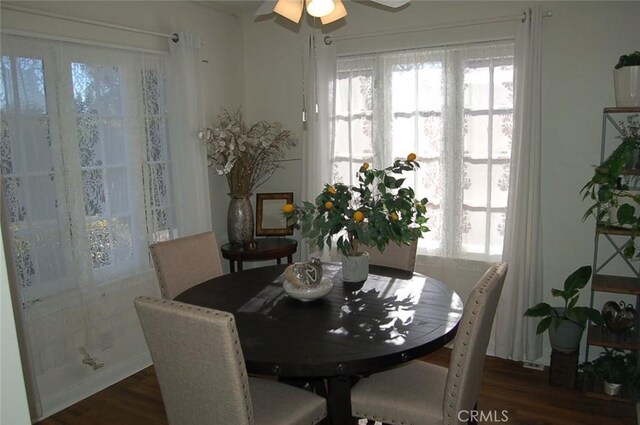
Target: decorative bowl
(308, 293)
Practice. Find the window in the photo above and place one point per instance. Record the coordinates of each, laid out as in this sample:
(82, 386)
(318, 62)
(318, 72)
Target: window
(453, 107)
(84, 161)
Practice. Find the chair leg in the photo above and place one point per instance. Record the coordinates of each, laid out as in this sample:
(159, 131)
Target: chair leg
(472, 419)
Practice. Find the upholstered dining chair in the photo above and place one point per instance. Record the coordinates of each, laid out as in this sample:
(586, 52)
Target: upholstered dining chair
(198, 360)
(184, 262)
(420, 393)
(396, 256)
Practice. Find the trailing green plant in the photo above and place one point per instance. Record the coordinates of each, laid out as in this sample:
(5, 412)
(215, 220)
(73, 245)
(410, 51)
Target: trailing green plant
(632, 59)
(610, 186)
(570, 293)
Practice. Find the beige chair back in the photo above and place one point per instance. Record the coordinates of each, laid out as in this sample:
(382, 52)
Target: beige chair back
(198, 361)
(468, 354)
(396, 256)
(184, 262)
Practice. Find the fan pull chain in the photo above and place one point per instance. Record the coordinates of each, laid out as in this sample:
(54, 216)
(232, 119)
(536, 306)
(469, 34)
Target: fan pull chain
(304, 97)
(315, 73)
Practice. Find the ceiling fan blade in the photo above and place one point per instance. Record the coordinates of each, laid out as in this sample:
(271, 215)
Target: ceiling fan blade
(266, 7)
(392, 3)
(290, 9)
(339, 12)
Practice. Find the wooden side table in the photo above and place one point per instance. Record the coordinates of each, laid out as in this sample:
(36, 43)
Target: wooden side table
(265, 249)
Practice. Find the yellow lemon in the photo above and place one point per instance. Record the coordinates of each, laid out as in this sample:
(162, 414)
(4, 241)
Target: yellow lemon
(394, 216)
(331, 190)
(411, 157)
(328, 205)
(365, 165)
(288, 208)
(358, 216)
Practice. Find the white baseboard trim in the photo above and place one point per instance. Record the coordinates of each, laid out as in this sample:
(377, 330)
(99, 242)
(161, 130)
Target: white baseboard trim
(91, 386)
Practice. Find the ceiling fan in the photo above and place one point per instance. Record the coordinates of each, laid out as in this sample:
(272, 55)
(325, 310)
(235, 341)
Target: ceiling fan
(327, 10)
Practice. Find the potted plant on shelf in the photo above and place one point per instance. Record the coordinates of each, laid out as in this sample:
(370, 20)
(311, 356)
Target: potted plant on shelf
(613, 186)
(626, 80)
(613, 368)
(375, 211)
(566, 324)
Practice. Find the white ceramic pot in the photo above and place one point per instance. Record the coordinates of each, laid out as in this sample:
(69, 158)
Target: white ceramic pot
(566, 337)
(611, 389)
(355, 268)
(626, 82)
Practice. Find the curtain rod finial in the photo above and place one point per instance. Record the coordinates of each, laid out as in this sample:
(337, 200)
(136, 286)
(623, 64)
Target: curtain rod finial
(327, 40)
(175, 38)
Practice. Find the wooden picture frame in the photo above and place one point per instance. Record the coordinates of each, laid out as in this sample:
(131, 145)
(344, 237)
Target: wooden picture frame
(269, 218)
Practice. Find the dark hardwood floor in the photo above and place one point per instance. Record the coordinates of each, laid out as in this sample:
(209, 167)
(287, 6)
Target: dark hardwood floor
(524, 394)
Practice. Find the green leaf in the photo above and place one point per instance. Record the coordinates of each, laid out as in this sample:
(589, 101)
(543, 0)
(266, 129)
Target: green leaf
(626, 214)
(539, 310)
(578, 279)
(543, 325)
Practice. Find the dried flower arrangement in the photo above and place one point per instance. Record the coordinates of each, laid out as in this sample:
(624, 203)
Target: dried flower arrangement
(247, 155)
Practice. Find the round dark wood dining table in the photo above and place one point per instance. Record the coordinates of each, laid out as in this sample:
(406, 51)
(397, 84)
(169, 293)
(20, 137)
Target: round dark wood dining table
(393, 317)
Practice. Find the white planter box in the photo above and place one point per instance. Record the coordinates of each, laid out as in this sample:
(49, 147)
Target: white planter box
(626, 82)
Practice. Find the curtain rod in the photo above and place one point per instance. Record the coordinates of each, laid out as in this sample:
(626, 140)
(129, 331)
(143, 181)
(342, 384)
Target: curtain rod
(459, 24)
(22, 9)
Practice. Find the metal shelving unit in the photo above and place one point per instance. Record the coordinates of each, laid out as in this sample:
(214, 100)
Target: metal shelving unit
(607, 277)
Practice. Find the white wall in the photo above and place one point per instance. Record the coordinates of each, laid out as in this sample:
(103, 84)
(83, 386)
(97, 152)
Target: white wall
(65, 382)
(581, 44)
(13, 397)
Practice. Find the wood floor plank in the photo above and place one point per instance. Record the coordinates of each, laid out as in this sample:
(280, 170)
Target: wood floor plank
(524, 393)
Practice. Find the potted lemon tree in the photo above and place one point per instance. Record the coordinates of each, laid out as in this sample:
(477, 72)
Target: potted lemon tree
(377, 210)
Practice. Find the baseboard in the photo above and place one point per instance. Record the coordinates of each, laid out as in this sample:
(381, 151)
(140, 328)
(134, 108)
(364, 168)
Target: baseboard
(91, 386)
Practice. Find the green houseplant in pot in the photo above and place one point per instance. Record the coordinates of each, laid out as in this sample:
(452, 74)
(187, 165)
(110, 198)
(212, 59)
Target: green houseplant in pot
(613, 369)
(566, 323)
(626, 80)
(375, 211)
(612, 186)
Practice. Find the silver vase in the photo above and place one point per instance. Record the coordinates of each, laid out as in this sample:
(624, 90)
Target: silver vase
(240, 220)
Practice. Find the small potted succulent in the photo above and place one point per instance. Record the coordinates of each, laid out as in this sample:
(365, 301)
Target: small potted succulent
(566, 324)
(626, 80)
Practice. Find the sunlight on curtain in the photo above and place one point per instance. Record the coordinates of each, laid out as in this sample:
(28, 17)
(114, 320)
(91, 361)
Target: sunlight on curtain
(86, 175)
(320, 84)
(453, 107)
(189, 159)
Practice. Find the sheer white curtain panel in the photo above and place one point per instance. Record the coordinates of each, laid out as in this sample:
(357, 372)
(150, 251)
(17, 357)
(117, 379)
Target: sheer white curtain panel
(516, 335)
(85, 172)
(318, 138)
(188, 153)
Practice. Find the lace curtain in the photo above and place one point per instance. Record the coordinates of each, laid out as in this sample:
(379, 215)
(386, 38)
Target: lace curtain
(453, 107)
(86, 174)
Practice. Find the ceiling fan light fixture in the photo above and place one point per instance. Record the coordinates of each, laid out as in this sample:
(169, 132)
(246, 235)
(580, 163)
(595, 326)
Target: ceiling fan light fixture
(339, 12)
(290, 9)
(320, 8)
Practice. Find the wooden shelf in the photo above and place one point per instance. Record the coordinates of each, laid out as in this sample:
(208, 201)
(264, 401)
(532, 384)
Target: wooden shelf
(615, 284)
(630, 172)
(594, 388)
(622, 110)
(611, 230)
(602, 337)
